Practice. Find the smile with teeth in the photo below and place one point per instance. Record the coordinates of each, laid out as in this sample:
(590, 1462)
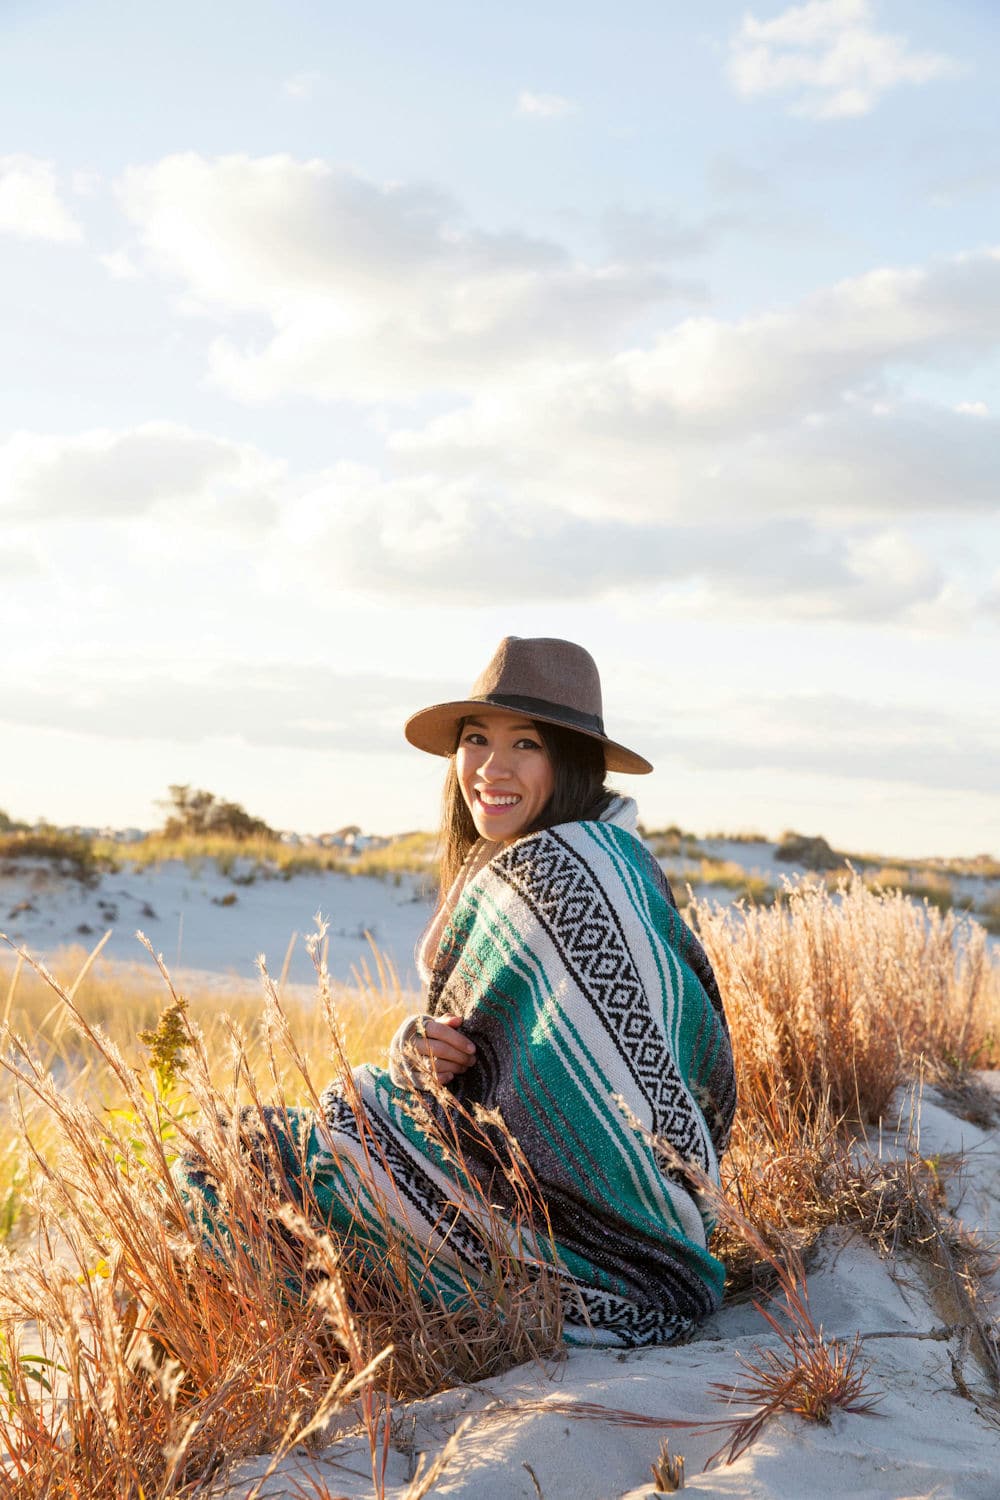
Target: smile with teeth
(497, 799)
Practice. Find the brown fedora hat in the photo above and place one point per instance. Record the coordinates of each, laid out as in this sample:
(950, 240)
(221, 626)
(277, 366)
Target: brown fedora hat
(547, 679)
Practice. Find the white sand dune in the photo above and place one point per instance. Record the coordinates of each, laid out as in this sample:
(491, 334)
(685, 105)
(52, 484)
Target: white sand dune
(204, 922)
(212, 926)
(927, 1439)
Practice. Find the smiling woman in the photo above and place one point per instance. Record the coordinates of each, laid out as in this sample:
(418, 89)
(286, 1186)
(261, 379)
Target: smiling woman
(505, 772)
(573, 1022)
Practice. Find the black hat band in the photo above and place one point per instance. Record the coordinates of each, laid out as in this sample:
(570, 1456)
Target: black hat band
(592, 723)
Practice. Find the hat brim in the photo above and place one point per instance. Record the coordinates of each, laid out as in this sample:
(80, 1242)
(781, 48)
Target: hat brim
(435, 730)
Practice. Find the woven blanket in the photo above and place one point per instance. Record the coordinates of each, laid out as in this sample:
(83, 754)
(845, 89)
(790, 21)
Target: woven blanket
(579, 983)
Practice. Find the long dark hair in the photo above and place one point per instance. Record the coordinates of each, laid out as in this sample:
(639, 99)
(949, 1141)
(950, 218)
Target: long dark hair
(578, 793)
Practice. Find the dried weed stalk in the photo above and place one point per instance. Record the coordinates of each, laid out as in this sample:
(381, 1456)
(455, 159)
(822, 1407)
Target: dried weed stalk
(155, 1364)
(844, 994)
(899, 1204)
(809, 1374)
(170, 1361)
(668, 1470)
(834, 999)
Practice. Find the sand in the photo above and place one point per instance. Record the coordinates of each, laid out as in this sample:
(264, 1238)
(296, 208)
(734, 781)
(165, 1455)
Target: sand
(927, 1439)
(206, 924)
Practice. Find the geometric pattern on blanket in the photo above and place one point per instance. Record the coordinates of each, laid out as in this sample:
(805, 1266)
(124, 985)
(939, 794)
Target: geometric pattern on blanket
(577, 980)
(585, 926)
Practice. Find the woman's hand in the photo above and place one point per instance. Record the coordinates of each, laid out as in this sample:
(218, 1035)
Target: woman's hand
(442, 1051)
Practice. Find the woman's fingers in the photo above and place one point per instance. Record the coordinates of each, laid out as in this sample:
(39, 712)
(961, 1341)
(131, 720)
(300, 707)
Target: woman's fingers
(443, 1040)
(440, 1043)
(455, 1062)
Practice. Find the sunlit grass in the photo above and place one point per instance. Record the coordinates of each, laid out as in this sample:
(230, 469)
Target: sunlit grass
(724, 874)
(123, 999)
(152, 1362)
(988, 912)
(922, 885)
(263, 858)
(835, 999)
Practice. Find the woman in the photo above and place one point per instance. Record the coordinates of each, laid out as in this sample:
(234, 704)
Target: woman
(562, 985)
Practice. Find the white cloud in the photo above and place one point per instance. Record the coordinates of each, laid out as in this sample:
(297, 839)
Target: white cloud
(990, 601)
(202, 506)
(18, 563)
(465, 541)
(86, 183)
(379, 292)
(855, 462)
(642, 235)
(280, 704)
(372, 291)
(830, 56)
(839, 735)
(543, 106)
(301, 86)
(119, 265)
(775, 414)
(30, 205)
(738, 464)
(126, 474)
(273, 703)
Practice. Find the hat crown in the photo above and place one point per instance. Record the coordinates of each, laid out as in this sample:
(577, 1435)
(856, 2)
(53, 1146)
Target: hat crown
(545, 669)
(548, 680)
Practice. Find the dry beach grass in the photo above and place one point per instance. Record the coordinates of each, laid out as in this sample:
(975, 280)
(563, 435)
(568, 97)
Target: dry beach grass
(155, 1365)
(151, 1371)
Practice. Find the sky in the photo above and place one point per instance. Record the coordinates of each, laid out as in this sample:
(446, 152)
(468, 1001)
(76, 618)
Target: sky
(338, 342)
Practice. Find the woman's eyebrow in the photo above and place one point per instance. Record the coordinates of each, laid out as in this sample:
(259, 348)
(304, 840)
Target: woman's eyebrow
(514, 728)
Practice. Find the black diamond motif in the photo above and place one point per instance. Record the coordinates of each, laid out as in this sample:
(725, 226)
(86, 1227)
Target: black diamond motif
(559, 885)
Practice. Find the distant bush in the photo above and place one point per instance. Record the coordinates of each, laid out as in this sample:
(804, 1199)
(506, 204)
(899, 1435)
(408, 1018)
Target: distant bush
(815, 853)
(262, 856)
(199, 812)
(69, 853)
(8, 825)
(924, 886)
(723, 873)
(672, 840)
(982, 866)
(743, 836)
(988, 913)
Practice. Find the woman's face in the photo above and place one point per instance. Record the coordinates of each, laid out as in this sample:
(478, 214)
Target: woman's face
(504, 771)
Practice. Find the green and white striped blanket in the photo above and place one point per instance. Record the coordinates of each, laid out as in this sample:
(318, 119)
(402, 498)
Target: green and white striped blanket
(578, 982)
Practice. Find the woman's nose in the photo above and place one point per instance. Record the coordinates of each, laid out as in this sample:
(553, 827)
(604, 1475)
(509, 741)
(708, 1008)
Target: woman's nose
(495, 765)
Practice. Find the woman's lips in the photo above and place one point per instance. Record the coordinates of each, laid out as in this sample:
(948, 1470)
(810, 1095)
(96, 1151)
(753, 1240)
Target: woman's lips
(500, 802)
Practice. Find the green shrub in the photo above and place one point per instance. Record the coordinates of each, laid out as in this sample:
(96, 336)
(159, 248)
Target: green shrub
(200, 812)
(68, 853)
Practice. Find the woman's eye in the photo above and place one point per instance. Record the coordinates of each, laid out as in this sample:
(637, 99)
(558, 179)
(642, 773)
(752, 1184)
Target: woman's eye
(473, 737)
(527, 744)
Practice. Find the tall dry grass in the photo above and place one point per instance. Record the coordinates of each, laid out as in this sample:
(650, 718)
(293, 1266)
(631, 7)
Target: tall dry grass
(123, 999)
(152, 1366)
(263, 857)
(843, 994)
(155, 1362)
(835, 998)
